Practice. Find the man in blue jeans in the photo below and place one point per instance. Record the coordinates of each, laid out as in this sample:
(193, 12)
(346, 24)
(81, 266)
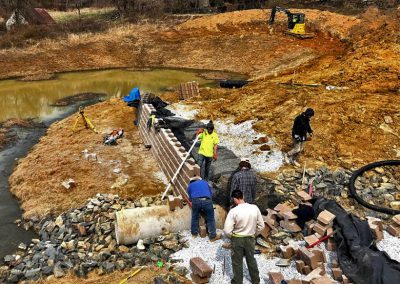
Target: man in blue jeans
(200, 195)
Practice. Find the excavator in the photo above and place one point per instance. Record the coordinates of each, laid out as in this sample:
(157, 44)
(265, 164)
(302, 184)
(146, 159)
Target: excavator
(296, 25)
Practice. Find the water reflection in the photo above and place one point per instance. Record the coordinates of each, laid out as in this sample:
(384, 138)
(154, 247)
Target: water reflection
(33, 99)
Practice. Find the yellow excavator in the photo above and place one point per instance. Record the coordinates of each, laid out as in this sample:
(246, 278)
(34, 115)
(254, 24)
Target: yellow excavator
(296, 23)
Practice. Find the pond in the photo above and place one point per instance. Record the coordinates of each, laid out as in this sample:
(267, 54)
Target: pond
(19, 99)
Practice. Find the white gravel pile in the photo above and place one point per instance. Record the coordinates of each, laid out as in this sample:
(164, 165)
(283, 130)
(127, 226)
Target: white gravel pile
(214, 254)
(390, 245)
(239, 139)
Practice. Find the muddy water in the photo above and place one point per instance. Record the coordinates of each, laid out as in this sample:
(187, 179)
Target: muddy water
(34, 99)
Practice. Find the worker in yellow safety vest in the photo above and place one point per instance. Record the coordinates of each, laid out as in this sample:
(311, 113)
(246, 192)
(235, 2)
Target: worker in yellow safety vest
(208, 148)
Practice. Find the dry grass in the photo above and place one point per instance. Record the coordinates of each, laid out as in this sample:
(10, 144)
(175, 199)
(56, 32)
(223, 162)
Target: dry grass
(73, 15)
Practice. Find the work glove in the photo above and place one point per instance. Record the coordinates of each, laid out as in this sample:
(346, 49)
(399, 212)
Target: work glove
(199, 131)
(215, 157)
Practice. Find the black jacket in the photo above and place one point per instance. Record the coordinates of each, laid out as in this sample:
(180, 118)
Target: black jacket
(301, 127)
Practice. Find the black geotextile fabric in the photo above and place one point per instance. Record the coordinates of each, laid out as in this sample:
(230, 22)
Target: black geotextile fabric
(359, 258)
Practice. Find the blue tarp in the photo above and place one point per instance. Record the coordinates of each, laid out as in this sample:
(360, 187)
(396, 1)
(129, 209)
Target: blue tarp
(134, 95)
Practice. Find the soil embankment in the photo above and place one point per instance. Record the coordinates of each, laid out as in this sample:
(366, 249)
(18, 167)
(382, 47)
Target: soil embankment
(126, 169)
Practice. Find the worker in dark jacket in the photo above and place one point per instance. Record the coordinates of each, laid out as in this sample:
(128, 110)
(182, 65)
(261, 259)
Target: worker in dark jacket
(301, 127)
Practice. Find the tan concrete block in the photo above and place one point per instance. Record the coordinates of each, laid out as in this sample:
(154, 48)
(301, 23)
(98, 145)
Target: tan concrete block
(321, 257)
(306, 269)
(171, 202)
(275, 277)
(326, 217)
(300, 265)
(320, 229)
(393, 230)
(288, 216)
(316, 273)
(304, 196)
(396, 219)
(287, 251)
(311, 239)
(290, 226)
(337, 274)
(294, 281)
(265, 232)
(322, 280)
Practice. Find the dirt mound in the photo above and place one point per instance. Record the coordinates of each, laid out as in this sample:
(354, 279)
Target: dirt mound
(126, 169)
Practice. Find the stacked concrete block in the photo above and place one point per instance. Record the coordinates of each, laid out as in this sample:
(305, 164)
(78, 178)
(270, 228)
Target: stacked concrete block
(394, 229)
(175, 202)
(284, 212)
(270, 223)
(376, 226)
(201, 271)
(168, 152)
(188, 90)
(324, 222)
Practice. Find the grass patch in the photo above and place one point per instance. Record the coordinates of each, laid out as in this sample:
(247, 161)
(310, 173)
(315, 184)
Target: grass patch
(86, 14)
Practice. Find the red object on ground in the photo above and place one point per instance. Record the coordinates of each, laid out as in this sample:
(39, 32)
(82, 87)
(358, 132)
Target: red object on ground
(322, 239)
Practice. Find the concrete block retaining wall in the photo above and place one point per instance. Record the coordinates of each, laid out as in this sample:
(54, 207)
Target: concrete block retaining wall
(168, 151)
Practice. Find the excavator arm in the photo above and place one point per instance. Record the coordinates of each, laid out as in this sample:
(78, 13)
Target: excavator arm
(278, 9)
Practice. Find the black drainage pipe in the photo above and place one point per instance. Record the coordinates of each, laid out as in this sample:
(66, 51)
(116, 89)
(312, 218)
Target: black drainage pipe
(362, 201)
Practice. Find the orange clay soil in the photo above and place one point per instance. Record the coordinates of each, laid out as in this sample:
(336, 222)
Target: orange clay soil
(58, 156)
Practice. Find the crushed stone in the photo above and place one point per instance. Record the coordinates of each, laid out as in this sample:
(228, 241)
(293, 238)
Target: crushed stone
(214, 255)
(390, 245)
(239, 139)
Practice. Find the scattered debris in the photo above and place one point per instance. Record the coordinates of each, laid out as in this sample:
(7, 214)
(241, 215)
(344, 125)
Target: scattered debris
(69, 183)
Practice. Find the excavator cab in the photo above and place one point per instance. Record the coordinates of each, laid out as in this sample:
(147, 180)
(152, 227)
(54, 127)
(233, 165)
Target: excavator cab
(296, 23)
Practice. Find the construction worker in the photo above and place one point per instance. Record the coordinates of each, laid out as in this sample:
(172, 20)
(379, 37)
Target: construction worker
(200, 195)
(208, 148)
(242, 225)
(301, 127)
(245, 180)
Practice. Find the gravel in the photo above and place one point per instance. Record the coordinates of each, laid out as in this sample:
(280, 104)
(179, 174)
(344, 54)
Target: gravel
(214, 254)
(390, 245)
(239, 139)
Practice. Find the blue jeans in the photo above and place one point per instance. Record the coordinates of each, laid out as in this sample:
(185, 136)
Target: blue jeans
(207, 163)
(205, 206)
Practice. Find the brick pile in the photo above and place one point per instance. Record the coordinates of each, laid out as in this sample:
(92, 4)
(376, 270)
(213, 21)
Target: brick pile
(288, 221)
(394, 229)
(168, 152)
(201, 271)
(188, 90)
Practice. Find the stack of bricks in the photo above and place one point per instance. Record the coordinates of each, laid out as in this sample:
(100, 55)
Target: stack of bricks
(394, 229)
(168, 152)
(175, 202)
(188, 90)
(201, 271)
(270, 223)
(309, 260)
(289, 219)
(376, 226)
(324, 224)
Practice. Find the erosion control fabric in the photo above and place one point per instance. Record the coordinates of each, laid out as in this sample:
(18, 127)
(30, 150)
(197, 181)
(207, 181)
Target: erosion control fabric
(359, 258)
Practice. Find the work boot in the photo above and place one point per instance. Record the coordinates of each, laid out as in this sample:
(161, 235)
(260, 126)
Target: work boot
(195, 236)
(217, 237)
